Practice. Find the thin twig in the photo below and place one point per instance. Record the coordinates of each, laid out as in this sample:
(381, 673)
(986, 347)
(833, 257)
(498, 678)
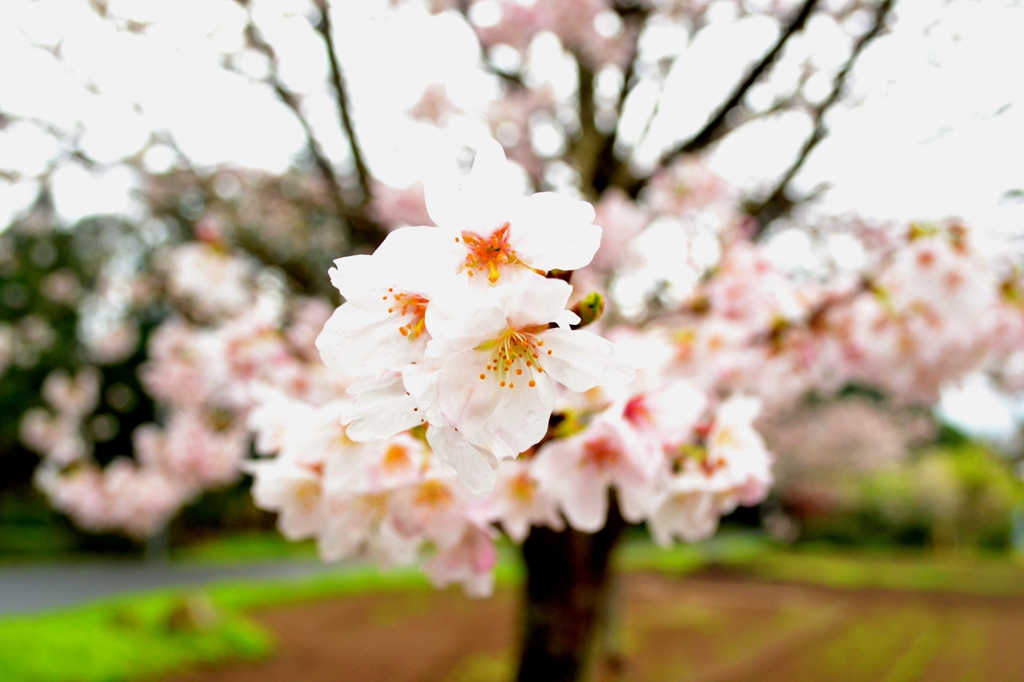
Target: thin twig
(778, 202)
(361, 228)
(718, 125)
(323, 27)
(294, 103)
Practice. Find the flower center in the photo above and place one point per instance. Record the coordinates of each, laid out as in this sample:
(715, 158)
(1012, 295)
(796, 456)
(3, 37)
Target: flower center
(307, 494)
(396, 458)
(601, 453)
(372, 505)
(637, 412)
(515, 356)
(434, 493)
(488, 253)
(523, 487)
(410, 305)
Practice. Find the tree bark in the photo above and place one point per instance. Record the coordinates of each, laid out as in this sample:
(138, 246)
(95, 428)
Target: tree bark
(566, 600)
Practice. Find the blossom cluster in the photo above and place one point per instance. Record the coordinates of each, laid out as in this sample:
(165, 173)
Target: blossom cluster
(201, 377)
(474, 401)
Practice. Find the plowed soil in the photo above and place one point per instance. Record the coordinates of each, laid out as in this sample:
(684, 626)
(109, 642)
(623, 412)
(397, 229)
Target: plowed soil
(707, 628)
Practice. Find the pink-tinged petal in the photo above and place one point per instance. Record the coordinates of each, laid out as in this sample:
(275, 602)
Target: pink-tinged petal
(688, 516)
(550, 231)
(466, 400)
(358, 342)
(677, 408)
(585, 502)
(634, 502)
(375, 415)
(580, 360)
(475, 467)
(340, 538)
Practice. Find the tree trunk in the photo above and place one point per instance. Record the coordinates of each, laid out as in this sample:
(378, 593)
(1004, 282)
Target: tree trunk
(566, 601)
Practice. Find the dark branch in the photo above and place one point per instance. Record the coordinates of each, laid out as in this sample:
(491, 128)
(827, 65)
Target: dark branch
(341, 93)
(294, 104)
(718, 126)
(361, 229)
(609, 170)
(779, 203)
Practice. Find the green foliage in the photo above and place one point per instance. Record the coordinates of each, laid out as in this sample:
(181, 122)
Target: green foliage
(953, 496)
(48, 297)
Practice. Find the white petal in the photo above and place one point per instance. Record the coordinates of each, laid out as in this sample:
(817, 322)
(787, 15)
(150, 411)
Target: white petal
(580, 360)
(478, 202)
(521, 419)
(476, 467)
(375, 415)
(357, 342)
(466, 400)
(355, 276)
(422, 381)
(406, 251)
(550, 231)
(467, 318)
(533, 300)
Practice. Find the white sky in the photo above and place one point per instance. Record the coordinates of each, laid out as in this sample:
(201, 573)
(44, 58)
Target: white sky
(925, 140)
(937, 129)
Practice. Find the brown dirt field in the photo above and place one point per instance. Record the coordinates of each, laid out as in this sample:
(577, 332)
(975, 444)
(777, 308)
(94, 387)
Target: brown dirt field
(704, 628)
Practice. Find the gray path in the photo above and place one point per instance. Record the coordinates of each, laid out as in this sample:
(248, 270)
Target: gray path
(34, 587)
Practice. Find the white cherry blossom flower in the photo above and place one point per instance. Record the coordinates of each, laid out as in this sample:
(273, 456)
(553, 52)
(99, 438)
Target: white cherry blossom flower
(580, 470)
(500, 362)
(519, 501)
(381, 325)
(488, 230)
(469, 562)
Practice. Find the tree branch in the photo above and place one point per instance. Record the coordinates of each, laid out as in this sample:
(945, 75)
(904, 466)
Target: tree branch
(778, 203)
(323, 27)
(718, 126)
(293, 102)
(609, 170)
(361, 229)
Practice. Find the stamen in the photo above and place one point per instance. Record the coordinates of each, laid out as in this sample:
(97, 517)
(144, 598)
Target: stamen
(416, 306)
(488, 253)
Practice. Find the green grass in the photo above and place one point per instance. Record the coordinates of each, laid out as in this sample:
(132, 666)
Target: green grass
(123, 639)
(135, 636)
(917, 571)
(246, 547)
